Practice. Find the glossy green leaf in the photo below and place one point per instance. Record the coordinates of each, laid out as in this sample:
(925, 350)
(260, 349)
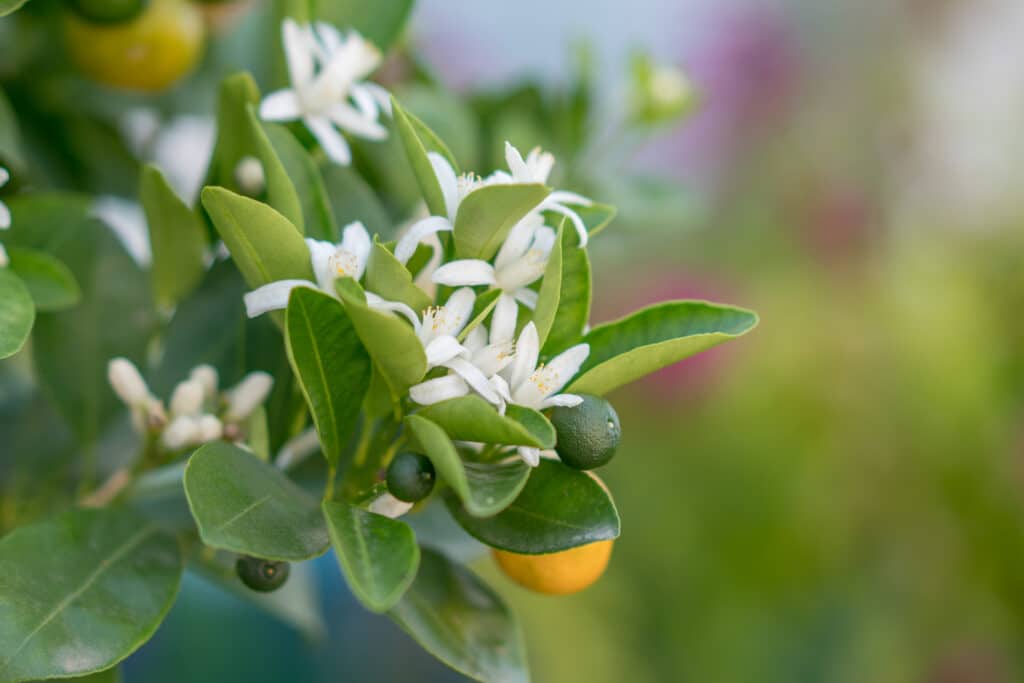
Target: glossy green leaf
(11, 153)
(559, 508)
(573, 312)
(247, 506)
(315, 207)
(234, 134)
(352, 199)
(377, 555)
(482, 307)
(115, 316)
(484, 488)
(9, 6)
(81, 591)
(381, 22)
(265, 245)
(17, 313)
(471, 418)
(281, 192)
(487, 214)
(49, 281)
(418, 141)
(386, 276)
(460, 620)
(653, 338)
(330, 363)
(596, 217)
(177, 237)
(550, 290)
(390, 340)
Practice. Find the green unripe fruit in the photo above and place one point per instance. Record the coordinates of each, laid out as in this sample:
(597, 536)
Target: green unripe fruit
(411, 477)
(262, 575)
(108, 11)
(588, 434)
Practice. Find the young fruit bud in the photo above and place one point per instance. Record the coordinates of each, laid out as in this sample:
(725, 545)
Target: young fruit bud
(262, 575)
(410, 477)
(588, 434)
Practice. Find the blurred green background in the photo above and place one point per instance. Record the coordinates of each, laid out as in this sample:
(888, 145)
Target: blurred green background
(836, 497)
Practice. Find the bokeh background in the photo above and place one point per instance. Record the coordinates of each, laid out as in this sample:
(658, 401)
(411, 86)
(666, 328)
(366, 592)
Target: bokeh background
(836, 497)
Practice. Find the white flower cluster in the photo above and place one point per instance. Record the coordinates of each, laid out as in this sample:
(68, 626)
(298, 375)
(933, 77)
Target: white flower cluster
(5, 216)
(329, 92)
(197, 413)
(490, 361)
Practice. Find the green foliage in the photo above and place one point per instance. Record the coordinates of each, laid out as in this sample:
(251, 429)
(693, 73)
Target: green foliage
(574, 295)
(113, 577)
(247, 506)
(559, 508)
(378, 556)
(460, 620)
(653, 338)
(487, 215)
(418, 140)
(330, 363)
(17, 313)
(386, 276)
(470, 418)
(177, 238)
(381, 23)
(49, 281)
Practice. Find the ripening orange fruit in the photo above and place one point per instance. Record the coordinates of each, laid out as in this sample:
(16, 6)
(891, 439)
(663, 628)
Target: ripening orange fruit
(149, 53)
(562, 573)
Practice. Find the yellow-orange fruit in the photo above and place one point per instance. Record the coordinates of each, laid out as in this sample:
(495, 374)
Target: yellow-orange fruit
(149, 53)
(569, 571)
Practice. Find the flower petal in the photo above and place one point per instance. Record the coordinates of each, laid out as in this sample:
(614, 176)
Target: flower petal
(442, 349)
(356, 240)
(331, 140)
(527, 352)
(565, 365)
(515, 162)
(564, 400)
(531, 456)
(348, 118)
(5, 175)
(282, 105)
(526, 297)
(474, 378)
(449, 183)
(320, 254)
(439, 389)
(382, 304)
(581, 228)
(465, 272)
(457, 310)
(389, 506)
(298, 51)
(5, 216)
(416, 233)
(503, 321)
(518, 241)
(272, 296)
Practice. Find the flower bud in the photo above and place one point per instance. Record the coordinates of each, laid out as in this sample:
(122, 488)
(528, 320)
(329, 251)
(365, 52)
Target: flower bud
(250, 177)
(389, 506)
(247, 394)
(187, 398)
(127, 383)
(209, 428)
(181, 432)
(206, 375)
(3, 257)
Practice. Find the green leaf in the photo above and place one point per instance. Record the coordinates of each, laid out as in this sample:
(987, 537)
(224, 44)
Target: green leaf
(81, 591)
(352, 199)
(386, 276)
(573, 312)
(317, 215)
(484, 488)
(330, 363)
(655, 337)
(265, 245)
(9, 6)
(234, 135)
(246, 506)
(596, 217)
(391, 341)
(11, 156)
(471, 418)
(560, 508)
(550, 290)
(488, 213)
(49, 281)
(460, 620)
(281, 192)
(17, 313)
(418, 140)
(377, 555)
(177, 236)
(381, 22)
(115, 316)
